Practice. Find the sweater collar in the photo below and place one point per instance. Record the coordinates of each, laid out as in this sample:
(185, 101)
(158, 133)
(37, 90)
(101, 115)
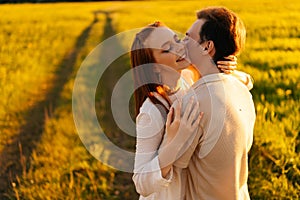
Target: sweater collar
(209, 78)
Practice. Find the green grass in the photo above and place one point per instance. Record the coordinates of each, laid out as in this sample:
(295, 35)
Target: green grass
(39, 57)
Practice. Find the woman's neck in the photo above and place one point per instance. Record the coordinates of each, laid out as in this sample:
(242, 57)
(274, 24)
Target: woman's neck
(170, 79)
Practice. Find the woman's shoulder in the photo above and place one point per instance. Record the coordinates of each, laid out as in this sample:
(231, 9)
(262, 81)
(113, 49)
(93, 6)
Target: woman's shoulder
(150, 112)
(149, 121)
(146, 105)
(149, 107)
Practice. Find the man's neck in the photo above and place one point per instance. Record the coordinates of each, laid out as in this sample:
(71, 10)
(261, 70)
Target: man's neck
(208, 67)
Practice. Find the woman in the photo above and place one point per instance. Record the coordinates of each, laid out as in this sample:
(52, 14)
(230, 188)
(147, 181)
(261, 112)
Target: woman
(156, 53)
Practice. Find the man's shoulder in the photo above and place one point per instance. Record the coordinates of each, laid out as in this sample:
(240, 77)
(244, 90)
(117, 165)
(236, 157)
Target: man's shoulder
(204, 88)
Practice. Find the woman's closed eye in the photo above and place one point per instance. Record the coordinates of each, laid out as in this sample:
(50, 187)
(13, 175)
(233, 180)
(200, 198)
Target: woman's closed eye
(167, 49)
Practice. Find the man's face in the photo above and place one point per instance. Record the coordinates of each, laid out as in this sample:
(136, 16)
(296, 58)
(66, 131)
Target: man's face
(194, 49)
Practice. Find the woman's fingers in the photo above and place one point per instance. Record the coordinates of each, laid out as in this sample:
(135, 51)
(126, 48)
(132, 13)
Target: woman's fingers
(231, 57)
(227, 71)
(197, 122)
(177, 111)
(227, 64)
(188, 109)
(169, 117)
(193, 115)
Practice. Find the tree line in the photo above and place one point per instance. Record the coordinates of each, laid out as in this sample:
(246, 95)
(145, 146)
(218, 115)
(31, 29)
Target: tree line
(46, 1)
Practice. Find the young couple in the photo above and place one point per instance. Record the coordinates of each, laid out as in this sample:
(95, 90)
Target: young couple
(198, 150)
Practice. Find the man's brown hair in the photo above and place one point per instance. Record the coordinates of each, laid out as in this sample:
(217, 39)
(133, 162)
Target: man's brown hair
(225, 29)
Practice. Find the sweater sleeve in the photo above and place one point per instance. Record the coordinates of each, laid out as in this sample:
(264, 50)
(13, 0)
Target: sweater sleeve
(185, 153)
(147, 173)
(244, 78)
(188, 149)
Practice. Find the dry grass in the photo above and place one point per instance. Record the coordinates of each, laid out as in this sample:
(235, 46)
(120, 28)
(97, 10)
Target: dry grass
(41, 154)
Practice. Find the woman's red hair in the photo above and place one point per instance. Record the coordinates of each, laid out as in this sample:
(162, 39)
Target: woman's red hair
(140, 55)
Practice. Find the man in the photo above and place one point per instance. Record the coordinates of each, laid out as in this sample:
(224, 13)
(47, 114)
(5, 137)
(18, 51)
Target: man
(218, 167)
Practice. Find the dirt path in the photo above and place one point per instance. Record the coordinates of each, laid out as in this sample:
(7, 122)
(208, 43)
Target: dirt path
(123, 181)
(14, 159)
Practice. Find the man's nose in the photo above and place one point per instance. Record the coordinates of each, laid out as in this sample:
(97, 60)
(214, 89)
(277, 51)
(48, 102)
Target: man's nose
(185, 39)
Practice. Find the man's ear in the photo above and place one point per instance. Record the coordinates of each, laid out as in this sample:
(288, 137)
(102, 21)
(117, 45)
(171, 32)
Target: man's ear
(210, 48)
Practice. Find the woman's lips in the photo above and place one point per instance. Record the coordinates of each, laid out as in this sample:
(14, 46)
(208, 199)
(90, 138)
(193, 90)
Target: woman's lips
(181, 58)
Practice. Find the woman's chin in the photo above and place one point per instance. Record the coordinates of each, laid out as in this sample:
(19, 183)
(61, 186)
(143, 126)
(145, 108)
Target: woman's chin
(183, 64)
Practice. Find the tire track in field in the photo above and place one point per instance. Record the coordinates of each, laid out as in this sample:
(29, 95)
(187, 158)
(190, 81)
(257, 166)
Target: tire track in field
(107, 83)
(14, 159)
(123, 185)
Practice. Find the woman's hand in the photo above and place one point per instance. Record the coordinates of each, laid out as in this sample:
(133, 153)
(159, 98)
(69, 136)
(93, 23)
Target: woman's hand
(186, 124)
(178, 131)
(228, 65)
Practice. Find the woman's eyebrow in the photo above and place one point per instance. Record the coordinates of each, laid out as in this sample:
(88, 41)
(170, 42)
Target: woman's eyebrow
(167, 42)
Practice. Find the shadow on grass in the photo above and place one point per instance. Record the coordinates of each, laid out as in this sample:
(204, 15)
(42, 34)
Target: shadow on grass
(14, 159)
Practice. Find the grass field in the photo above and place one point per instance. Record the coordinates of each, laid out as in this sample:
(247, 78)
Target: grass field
(42, 47)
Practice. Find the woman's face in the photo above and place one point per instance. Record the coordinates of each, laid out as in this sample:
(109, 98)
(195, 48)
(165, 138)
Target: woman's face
(167, 48)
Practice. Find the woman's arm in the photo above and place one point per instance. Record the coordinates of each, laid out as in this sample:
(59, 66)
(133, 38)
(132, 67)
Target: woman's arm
(229, 67)
(149, 129)
(179, 132)
(153, 170)
(244, 78)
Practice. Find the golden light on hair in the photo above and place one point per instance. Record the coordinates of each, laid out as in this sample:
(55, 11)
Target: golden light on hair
(160, 90)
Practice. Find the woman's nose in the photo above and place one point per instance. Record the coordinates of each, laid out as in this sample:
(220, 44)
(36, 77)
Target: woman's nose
(179, 47)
